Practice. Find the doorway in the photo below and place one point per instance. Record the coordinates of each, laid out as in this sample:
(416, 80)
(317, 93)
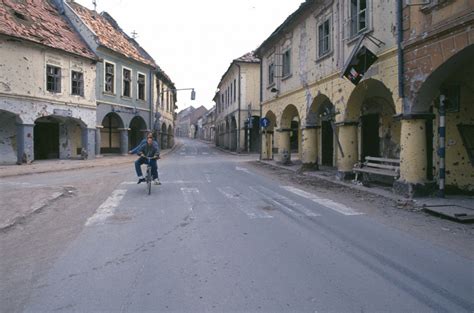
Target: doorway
(370, 136)
(46, 140)
(327, 143)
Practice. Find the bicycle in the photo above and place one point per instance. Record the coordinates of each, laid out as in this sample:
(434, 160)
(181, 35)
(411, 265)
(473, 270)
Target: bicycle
(148, 178)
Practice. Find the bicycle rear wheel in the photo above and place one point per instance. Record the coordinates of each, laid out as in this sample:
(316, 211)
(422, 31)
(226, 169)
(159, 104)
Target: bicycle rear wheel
(148, 179)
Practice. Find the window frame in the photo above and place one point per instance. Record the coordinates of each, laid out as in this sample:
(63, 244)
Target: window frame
(56, 79)
(113, 80)
(355, 21)
(138, 86)
(124, 68)
(271, 73)
(321, 54)
(80, 82)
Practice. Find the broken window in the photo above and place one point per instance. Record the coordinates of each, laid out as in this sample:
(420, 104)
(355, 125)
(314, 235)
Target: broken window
(77, 83)
(324, 39)
(141, 86)
(127, 81)
(53, 79)
(286, 63)
(467, 134)
(109, 78)
(358, 16)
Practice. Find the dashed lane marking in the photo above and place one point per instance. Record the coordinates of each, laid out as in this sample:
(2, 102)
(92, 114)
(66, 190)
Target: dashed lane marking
(284, 202)
(242, 203)
(338, 207)
(107, 208)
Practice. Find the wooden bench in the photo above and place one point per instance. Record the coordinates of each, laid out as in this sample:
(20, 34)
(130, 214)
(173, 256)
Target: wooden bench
(377, 167)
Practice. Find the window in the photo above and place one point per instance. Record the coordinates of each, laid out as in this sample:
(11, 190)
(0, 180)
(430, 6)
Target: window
(127, 82)
(358, 16)
(109, 77)
(222, 100)
(53, 79)
(271, 73)
(141, 86)
(231, 91)
(235, 90)
(162, 97)
(77, 83)
(286, 64)
(324, 38)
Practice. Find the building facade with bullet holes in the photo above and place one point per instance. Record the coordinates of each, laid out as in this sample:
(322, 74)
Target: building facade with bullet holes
(47, 86)
(344, 82)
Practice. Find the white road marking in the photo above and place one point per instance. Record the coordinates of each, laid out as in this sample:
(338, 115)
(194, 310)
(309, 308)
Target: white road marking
(338, 207)
(107, 208)
(283, 202)
(243, 203)
(243, 169)
(182, 153)
(189, 156)
(205, 153)
(208, 177)
(188, 196)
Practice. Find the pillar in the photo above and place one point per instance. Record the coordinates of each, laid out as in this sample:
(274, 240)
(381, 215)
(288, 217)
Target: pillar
(284, 149)
(98, 140)
(267, 145)
(309, 154)
(347, 136)
(88, 143)
(413, 157)
(124, 140)
(25, 145)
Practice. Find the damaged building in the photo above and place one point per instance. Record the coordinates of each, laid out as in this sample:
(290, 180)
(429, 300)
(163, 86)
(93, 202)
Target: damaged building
(125, 79)
(47, 85)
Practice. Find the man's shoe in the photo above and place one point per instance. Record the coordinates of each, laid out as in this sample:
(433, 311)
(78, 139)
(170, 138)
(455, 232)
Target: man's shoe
(157, 182)
(141, 180)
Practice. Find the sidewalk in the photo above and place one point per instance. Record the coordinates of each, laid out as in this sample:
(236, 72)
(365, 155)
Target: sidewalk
(459, 208)
(46, 166)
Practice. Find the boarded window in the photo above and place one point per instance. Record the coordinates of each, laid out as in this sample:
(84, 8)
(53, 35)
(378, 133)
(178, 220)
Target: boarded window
(53, 79)
(127, 81)
(141, 86)
(77, 83)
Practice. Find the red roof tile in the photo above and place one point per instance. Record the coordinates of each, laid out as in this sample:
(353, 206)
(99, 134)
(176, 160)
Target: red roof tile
(40, 22)
(110, 35)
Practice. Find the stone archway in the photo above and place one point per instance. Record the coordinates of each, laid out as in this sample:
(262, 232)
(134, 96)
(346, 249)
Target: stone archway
(420, 159)
(163, 137)
(111, 133)
(170, 137)
(289, 138)
(137, 131)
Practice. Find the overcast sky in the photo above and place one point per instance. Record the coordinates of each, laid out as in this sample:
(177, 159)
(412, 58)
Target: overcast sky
(195, 41)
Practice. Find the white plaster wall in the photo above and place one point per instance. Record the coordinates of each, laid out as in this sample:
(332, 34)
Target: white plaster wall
(23, 73)
(8, 143)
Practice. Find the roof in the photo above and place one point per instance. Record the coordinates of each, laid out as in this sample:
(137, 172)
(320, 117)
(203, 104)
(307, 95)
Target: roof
(110, 35)
(39, 21)
(286, 24)
(249, 57)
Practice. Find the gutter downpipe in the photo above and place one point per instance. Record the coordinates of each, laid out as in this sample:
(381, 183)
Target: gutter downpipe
(238, 124)
(401, 72)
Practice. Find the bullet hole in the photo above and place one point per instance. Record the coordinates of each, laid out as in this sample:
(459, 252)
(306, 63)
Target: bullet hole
(456, 163)
(28, 135)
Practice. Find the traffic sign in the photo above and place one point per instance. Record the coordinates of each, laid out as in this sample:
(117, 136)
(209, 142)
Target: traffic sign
(264, 122)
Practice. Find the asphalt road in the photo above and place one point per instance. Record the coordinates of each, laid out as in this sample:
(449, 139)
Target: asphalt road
(218, 236)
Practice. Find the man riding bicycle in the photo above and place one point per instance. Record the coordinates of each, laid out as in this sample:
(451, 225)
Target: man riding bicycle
(149, 150)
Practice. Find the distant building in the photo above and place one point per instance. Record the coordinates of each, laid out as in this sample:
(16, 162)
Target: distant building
(208, 125)
(165, 105)
(47, 85)
(237, 105)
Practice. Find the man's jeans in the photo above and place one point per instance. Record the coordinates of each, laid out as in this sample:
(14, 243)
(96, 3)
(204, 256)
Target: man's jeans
(154, 167)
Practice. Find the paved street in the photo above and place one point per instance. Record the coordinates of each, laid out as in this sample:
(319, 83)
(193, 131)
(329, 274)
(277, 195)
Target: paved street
(219, 235)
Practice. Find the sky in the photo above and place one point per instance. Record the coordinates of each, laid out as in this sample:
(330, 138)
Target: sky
(193, 41)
